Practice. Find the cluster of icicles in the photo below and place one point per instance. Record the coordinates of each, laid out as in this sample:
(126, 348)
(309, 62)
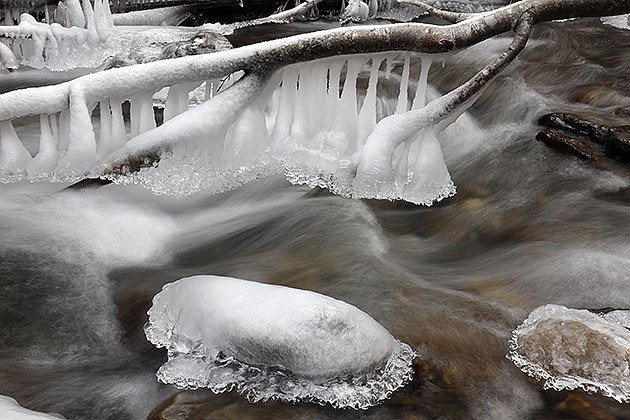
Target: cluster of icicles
(76, 30)
(312, 121)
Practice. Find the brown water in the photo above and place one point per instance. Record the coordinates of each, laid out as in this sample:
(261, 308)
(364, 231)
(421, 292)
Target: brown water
(528, 227)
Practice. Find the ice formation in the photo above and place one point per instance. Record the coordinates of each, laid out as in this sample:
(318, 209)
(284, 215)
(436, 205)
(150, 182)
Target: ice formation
(316, 122)
(274, 342)
(621, 21)
(78, 29)
(10, 409)
(569, 349)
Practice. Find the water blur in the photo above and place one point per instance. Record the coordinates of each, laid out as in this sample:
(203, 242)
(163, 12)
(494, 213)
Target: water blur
(529, 226)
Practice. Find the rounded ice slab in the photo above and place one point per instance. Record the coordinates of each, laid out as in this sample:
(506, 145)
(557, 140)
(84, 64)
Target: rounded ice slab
(570, 348)
(274, 342)
(11, 409)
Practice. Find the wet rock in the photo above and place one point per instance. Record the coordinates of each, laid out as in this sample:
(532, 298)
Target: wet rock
(203, 42)
(573, 124)
(566, 144)
(618, 145)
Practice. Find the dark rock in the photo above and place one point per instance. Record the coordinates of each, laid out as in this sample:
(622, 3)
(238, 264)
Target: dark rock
(618, 145)
(567, 145)
(575, 125)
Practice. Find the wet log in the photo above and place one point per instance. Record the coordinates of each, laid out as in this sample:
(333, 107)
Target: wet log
(567, 145)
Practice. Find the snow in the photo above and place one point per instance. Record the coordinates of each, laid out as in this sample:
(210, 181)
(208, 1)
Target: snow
(10, 409)
(570, 348)
(274, 342)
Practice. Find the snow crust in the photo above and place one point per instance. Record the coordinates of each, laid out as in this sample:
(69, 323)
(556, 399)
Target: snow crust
(570, 348)
(274, 342)
(10, 409)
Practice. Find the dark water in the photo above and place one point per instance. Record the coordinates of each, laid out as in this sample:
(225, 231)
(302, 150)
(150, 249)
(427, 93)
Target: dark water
(528, 227)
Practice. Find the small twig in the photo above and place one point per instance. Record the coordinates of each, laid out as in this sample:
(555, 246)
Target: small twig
(448, 16)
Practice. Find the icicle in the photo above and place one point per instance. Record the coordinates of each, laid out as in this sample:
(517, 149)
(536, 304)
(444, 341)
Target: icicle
(430, 180)
(64, 129)
(373, 8)
(316, 97)
(46, 159)
(246, 139)
(101, 21)
(75, 13)
(82, 143)
(404, 84)
(421, 91)
(346, 119)
(147, 116)
(108, 13)
(177, 99)
(105, 137)
(13, 155)
(286, 104)
(402, 166)
(61, 14)
(119, 133)
(367, 116)
(92, 34)
(134, 114)
(7, 58)
(299, 128)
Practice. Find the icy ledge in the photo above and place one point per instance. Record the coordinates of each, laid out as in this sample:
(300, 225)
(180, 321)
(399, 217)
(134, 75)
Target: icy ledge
(271, 342)
(570, 348)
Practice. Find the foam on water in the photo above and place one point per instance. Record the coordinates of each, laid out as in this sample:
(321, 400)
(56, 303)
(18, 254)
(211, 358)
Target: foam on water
(570, 348)
(274, 342)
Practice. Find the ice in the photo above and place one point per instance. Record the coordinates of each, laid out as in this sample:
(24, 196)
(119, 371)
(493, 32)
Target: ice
(11, 410)
(621, 317)
(7, 58)
(319, 123)
(46, 159)
(274, 342)
(570, 348)
(621, 21)
(13, 155)
(355, 11)
(74, 13)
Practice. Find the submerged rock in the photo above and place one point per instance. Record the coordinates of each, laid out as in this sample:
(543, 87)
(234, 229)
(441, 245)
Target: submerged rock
(274, 342)
(570, 348)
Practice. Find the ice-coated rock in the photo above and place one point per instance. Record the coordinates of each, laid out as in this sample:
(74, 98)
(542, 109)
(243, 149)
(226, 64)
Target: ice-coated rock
(11, 410)
(274, 342)
(570, 348)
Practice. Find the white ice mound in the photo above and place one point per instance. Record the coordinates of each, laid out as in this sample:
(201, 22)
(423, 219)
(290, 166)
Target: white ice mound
(570, 348)
(10, 409)
(274, 342)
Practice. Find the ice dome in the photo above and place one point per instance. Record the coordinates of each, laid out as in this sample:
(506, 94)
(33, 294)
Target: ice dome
(274, 342)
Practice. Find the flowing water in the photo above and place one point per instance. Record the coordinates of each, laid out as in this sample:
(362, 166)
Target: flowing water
(528, 227)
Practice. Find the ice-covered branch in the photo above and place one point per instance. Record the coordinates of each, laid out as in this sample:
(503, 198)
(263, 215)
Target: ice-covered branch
(446, 15)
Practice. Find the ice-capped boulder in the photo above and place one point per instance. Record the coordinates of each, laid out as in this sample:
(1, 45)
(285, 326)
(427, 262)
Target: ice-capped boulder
(274, 342)
(570, 348)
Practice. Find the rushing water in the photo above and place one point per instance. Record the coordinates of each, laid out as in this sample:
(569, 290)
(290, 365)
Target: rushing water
(528, 227)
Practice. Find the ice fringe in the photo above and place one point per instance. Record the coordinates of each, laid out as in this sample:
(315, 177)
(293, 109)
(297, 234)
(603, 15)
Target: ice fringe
(315, 121)
(569, 349)
(271, 342)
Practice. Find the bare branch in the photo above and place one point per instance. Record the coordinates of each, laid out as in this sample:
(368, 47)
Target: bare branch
(446, 15)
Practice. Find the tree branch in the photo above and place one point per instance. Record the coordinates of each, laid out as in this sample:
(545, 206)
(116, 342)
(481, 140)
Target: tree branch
(446, 15)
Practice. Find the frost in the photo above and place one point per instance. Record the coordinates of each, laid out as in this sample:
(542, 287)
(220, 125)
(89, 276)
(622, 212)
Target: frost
(274, 342)
(569, 349)
(10, 409)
